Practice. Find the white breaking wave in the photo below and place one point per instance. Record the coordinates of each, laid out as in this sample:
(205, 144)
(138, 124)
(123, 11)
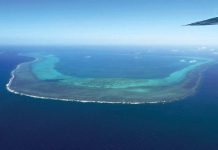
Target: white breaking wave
(192, 61)
(182, 60)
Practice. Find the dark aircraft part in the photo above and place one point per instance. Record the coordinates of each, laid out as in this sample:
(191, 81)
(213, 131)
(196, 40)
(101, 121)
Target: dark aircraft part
(212, 21)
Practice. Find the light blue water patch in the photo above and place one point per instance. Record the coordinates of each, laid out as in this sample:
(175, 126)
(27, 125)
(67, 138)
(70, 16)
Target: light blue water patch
(44, 68)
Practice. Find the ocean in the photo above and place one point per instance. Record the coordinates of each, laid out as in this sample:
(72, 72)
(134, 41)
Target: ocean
(35, 124)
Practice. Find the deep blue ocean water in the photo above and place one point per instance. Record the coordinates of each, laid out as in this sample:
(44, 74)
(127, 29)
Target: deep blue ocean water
(32, 124)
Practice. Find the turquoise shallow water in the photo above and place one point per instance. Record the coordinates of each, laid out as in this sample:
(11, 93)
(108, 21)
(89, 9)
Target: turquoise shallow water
(45, 69)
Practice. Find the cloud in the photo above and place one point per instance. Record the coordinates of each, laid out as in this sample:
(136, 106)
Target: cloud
(87, 57)
(202, 48)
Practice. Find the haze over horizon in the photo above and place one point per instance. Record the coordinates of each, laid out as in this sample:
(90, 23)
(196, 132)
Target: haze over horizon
(102, 22)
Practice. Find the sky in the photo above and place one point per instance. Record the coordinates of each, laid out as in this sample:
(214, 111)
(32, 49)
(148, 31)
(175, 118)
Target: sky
(106, 22)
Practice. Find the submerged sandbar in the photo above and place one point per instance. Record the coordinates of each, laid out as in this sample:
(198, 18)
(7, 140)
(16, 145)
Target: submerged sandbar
(40, 78)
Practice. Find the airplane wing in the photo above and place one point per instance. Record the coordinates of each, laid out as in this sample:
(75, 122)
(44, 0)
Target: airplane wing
(212, 21)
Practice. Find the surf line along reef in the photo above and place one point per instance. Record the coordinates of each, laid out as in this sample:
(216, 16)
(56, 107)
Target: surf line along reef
(41, 79)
